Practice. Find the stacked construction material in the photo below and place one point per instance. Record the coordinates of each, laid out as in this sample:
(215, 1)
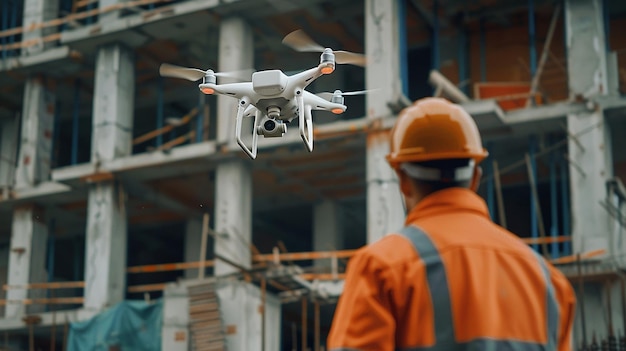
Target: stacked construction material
(206, 326)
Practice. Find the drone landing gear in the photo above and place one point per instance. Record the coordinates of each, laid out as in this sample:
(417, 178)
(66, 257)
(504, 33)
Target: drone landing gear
(306, 121)
(251, 152)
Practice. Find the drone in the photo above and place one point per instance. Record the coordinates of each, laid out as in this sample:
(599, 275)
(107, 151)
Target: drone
(274, 98)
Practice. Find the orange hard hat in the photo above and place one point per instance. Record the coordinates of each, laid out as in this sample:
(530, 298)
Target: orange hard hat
(434, 129)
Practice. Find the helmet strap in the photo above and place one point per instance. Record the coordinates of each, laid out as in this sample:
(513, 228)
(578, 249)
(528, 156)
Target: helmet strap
(457, 174)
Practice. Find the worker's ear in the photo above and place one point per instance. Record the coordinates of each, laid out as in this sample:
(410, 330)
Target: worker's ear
(478, 173)
(405, 183)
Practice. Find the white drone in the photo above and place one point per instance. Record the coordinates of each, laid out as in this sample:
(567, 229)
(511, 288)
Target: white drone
(273, 97)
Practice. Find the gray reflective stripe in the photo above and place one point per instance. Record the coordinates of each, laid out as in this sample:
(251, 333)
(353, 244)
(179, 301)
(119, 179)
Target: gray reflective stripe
(552, 306)
(437, 282)
(444, 322)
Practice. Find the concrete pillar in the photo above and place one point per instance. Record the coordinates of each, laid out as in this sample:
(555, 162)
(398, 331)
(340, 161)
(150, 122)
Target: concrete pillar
(9, 138)
(233, 181)
(36, 137)
(233, 215)
(193, 242)
(113, 103)
(36, 12)
(590, 165)
(27, 258)
(105, 260)
(239, 301)
(111, 15)
(327, 229)
(176, 334)
(385, 211)
(235, 53)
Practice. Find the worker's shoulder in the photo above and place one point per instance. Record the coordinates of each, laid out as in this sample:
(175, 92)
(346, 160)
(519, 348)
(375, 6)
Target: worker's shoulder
(389, 250)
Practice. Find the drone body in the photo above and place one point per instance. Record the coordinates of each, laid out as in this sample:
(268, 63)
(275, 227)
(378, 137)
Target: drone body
(273, 98)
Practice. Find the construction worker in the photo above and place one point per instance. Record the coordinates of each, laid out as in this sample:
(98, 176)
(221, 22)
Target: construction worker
(451, 279)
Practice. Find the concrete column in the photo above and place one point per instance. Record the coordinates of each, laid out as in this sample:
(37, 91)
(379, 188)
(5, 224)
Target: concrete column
(36, 12)
(36, 137)
(233, 215)
(592, 164)
(113, 103)
(9, 138)
(105, 260)
(103, 4)
(233, 182)
(240, 301)
(385, 211)
(193, 242)
(27, 258)
(176, 334)
(327, 229)
(235, 53)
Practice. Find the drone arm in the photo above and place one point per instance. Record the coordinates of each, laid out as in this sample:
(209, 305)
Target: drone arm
(320, 104)
(243, 106)
(235, 90)
(304, 78)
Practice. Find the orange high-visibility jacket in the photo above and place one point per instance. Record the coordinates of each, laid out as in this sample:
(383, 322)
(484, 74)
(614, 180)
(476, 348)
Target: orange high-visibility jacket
(452, 280)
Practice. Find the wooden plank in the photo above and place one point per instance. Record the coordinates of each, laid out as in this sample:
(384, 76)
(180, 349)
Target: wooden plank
(573, 258)
(547, 240)
(51, 285)
(301, 256)
(153, 134)
(164, 267)
(77, 16)
(146, 288)
(44, 301)
(322, 276)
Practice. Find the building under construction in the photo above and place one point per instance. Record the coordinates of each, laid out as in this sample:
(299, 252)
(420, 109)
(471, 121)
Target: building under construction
(130, 215)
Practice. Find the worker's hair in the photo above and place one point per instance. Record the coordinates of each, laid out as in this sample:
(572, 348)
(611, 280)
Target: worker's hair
(427, 187)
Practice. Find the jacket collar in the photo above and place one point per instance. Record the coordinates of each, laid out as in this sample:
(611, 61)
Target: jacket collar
(448, 201)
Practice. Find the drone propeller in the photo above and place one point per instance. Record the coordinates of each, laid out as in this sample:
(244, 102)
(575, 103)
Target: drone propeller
(193, 74)
(328, 96)
(300, 41)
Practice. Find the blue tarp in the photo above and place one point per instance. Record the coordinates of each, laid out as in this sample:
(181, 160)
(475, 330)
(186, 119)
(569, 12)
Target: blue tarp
(130, 325)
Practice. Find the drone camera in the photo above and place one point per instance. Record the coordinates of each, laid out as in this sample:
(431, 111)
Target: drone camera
(272, 128)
